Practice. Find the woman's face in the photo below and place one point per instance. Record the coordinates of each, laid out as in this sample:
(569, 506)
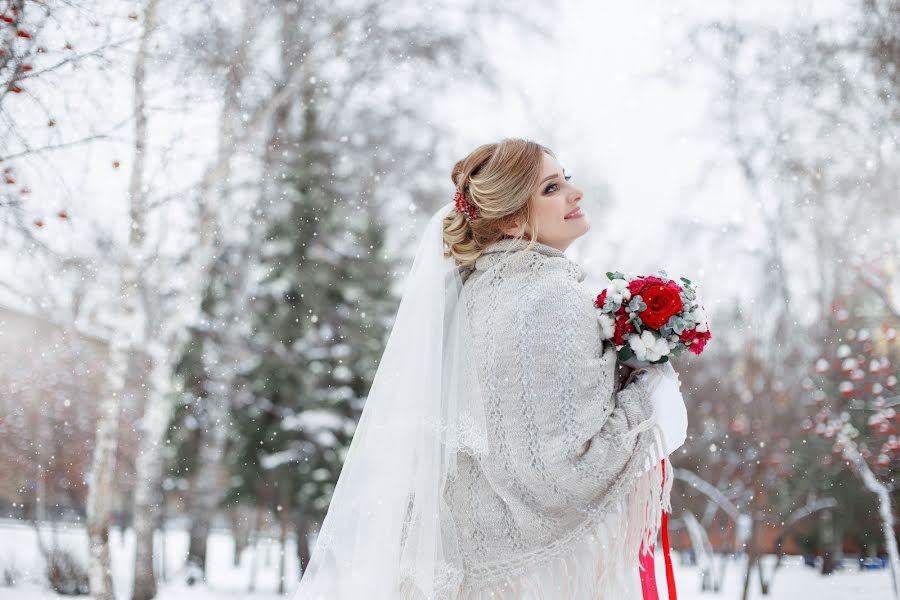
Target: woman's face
(551, 202)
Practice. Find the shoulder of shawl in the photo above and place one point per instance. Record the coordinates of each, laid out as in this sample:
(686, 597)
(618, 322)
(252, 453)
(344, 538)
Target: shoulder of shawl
(510, 257)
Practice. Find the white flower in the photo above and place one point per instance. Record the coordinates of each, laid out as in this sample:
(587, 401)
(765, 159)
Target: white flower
(618, 290)
(648, 346)
(607, 326)
(698, 316)
(660, 348)
(638, 347)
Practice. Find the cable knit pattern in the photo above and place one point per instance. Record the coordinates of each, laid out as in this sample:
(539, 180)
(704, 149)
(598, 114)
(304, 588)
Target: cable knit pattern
(558, 460)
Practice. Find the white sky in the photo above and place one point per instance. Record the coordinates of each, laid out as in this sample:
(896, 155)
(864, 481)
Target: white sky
(592, 99)
(596, 104)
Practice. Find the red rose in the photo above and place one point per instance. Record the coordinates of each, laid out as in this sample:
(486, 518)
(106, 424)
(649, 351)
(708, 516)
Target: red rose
(663, 301)
(623, 326)
(637, 286)
(698, 339)
(601, 299)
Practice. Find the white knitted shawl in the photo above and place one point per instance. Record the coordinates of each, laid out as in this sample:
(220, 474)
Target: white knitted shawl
(560, 466)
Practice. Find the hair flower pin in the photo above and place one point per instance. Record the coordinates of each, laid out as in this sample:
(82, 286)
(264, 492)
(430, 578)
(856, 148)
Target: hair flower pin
(465, 207)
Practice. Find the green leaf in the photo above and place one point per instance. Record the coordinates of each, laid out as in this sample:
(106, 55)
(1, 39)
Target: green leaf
(661, 360)
(609, 275)
(625, 352)
(686, 280)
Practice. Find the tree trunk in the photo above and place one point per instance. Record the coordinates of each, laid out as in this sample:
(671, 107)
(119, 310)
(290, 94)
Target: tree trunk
(240, 532)
(100, 482)
(751, 563)
(851, 453)
(148, 474)
(283, 521)
(753, 558)
(163, 545)
(208, 489)
(302, 532)
(99, 500)
(827, 527)
(262, 502)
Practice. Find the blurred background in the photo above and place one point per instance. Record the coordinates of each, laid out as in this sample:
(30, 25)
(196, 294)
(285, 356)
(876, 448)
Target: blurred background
(207, 210)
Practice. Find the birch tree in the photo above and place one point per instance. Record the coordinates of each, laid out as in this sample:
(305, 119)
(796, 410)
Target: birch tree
(101, 476)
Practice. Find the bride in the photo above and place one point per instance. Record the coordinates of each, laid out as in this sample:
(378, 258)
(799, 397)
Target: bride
(499, 454)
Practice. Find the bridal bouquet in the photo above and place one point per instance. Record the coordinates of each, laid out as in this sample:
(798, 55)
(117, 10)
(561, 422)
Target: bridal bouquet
(650, 318)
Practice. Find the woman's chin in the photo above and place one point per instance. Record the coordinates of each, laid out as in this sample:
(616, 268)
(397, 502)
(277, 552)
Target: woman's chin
(587, 227)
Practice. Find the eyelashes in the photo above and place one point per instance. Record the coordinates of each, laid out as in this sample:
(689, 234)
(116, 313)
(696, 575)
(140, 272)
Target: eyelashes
(547, 191)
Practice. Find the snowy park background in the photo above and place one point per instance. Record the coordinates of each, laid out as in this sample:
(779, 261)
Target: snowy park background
(207, 210)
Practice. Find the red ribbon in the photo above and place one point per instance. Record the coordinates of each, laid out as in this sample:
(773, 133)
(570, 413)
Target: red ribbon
(647, 570)
(648, 575)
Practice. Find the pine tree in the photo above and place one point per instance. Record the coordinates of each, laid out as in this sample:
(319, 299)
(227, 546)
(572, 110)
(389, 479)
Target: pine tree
(319, 331)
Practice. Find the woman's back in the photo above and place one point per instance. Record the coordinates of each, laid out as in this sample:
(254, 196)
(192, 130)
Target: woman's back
(557, 463)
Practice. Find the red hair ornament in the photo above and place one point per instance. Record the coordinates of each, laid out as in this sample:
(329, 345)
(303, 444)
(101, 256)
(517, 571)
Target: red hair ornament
(464, 207)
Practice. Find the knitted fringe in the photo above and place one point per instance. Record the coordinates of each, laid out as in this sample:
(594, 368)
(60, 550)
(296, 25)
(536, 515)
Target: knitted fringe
(600, 559)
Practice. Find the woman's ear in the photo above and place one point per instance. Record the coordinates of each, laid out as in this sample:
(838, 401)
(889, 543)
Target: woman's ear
(515, 228)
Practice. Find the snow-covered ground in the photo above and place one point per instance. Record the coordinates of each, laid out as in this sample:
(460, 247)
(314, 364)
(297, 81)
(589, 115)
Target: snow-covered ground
(18, 550)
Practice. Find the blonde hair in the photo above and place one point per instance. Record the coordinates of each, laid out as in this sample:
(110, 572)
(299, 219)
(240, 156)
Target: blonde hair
(498, 178)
